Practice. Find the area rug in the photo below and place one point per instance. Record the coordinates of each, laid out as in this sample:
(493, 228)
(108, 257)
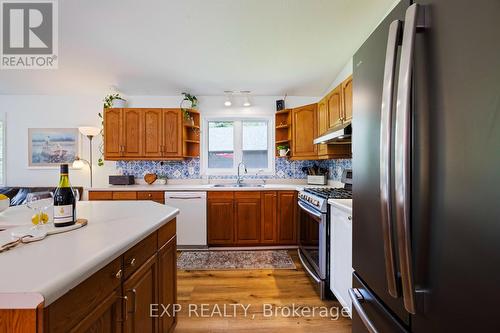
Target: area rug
(221, 260)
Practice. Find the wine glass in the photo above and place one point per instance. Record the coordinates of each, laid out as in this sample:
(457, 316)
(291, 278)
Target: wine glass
(40, 203)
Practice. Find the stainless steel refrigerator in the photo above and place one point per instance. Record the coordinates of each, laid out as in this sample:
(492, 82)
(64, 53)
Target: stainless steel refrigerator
(426, 160)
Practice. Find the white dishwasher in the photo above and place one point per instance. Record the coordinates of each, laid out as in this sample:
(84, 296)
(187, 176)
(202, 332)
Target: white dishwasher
(192, 218)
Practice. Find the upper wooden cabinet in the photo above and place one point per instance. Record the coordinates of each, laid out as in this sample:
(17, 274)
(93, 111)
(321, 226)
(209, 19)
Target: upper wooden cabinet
(323, 122)
(153, 132)
(132, 132)
(112, 133)
(334, 102)
(304, 131)
(149, 134)
(347, 99)
(172, 133)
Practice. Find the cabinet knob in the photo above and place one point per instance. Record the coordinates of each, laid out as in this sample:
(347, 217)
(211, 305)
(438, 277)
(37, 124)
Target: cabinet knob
(118, 274)
(150, 195)
(132, 262)
(349, 218)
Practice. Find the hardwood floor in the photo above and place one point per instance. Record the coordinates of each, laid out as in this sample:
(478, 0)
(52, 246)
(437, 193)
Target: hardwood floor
(213, 290)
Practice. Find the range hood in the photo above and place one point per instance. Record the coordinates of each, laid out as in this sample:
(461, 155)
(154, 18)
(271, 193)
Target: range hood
(337, 135)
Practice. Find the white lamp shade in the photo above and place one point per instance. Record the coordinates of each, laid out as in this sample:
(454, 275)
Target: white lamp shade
(89, 130)
(78, 164)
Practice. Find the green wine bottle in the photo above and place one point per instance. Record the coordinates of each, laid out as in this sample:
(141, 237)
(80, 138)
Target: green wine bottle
(64, 201)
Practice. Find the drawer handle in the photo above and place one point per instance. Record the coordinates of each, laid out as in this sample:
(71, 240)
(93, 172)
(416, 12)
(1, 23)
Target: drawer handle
(118, 274)
(134, 304)
(132, 262)
(150, 195)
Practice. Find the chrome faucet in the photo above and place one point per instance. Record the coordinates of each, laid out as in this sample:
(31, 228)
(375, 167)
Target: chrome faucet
(239, 180)
(263, 179)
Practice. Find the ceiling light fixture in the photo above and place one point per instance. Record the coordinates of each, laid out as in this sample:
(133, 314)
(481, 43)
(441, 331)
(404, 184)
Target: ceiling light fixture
(246, 100)
(228, 94)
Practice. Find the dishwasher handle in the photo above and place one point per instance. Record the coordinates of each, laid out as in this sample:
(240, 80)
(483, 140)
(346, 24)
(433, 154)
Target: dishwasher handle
(185, 195)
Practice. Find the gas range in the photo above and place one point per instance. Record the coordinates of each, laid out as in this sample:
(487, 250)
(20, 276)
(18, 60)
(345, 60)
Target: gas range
(314, 217)
(318, 196)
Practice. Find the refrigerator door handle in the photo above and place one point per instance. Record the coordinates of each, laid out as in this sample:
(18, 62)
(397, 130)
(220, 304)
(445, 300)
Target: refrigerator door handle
(357, 298)
(386, 113)
(402, 157)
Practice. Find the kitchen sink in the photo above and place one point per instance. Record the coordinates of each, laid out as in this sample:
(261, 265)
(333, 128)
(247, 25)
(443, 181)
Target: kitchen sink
(239, 185)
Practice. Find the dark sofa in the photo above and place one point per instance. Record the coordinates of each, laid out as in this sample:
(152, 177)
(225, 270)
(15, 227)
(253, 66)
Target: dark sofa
(17, 195)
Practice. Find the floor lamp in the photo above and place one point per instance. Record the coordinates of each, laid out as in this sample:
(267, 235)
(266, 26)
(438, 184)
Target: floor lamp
(90, 133)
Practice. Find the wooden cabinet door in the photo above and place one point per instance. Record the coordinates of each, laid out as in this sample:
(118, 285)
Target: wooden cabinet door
(172, 133)
(269, 225)
(287, 224)
(112, 133)
(153, 139)
(132, 131)
(167, 283)
(322, 124)
(141, 290)
(220, 218)
(104, 318)
(304, 131)
(335, 113)
(347, 99)
(247, 215)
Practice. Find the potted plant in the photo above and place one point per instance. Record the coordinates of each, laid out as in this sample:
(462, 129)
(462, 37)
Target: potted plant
(283, 150)
(188, 102)
(114, 101)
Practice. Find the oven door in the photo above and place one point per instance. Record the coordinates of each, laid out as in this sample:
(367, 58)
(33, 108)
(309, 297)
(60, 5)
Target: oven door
(312, 240)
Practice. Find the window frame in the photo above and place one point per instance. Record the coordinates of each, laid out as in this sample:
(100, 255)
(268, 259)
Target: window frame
(237, 145)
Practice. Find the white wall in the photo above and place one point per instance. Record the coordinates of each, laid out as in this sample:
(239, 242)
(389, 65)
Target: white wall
(341, 76)
(44, 111)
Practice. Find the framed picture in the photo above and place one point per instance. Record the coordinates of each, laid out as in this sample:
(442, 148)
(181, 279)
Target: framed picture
(50, 147)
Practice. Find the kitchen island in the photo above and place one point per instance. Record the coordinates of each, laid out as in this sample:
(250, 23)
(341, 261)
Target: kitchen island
(101, 277)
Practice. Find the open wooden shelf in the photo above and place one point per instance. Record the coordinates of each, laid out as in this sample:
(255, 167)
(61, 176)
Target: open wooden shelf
(191, 136)
(283, 129)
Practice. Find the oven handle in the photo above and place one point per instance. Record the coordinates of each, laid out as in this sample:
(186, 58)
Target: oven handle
(309, 211)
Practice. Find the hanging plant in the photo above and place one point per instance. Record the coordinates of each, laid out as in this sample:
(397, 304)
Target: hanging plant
(108, 100)
(188, 102)
(100, 161)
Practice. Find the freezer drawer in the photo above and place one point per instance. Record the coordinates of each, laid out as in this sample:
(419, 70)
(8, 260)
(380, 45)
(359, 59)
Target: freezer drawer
(369, 314)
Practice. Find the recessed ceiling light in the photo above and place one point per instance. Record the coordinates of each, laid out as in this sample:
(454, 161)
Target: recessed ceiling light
(228, 98)
(246, 100)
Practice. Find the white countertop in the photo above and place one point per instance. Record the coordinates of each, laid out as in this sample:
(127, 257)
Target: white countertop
(58, 263)
(345, 204)
(292, 186)
(194, 187)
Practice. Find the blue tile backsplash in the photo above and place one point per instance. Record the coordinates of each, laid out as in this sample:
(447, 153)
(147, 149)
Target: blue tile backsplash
(190, 169)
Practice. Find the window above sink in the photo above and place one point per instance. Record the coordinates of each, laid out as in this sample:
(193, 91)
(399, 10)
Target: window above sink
(230, 140)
